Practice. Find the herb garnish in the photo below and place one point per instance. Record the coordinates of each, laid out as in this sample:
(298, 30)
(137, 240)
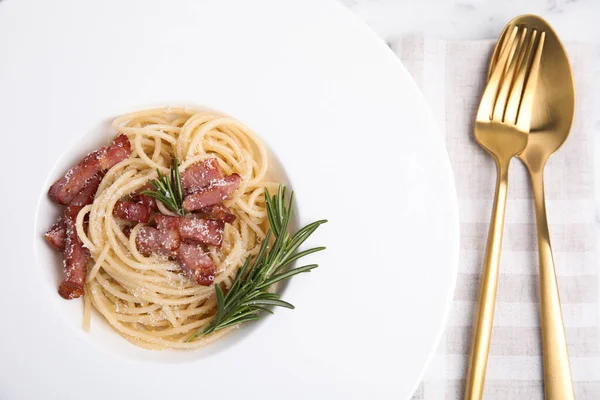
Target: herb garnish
(249, 294)
(168, 190)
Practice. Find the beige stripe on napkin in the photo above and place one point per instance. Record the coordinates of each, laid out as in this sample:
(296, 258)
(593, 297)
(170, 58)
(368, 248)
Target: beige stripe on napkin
(451, 76)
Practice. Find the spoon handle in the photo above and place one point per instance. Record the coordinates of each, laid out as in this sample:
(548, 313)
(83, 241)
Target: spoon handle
(484, 317)
(557, 372)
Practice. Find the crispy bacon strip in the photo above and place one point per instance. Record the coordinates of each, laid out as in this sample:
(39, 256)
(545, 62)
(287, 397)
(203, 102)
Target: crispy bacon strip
(148, 201)
(132, 211)
(56, 234)
(196, 264)
(218, 212)
(64, 190)
(138, 197)
(200, 175)
(87, 194)
(193, 229)
(118, 150)
(193, 259)
(213, 194)
(127, 231)
(75, 258)
(151, 240)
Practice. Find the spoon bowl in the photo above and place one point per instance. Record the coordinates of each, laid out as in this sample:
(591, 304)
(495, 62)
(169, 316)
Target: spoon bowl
(554, 107)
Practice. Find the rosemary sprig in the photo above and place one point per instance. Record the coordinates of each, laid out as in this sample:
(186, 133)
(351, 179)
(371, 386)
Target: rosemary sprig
(168, 190)
(249, 294)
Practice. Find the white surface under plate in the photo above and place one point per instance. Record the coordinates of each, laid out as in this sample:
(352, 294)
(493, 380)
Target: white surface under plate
(356, 141)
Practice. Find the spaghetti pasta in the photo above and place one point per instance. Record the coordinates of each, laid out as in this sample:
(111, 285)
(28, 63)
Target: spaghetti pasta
(145, 299)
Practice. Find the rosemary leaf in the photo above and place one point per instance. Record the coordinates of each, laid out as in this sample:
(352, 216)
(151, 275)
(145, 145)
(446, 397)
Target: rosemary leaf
(168, 190)
(249, 294)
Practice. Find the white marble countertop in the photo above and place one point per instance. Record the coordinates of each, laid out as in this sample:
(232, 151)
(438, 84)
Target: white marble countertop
(574, 20)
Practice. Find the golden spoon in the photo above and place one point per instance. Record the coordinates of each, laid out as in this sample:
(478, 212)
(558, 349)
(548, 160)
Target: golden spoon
(551, 121)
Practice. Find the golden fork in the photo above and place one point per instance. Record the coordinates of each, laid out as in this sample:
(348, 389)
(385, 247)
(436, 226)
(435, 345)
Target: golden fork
(502, 127)
(549, 131)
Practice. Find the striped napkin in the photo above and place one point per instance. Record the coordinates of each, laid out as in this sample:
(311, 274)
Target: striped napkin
(452, 75)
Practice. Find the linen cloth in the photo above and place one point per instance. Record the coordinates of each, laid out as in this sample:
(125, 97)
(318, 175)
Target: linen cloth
(452, 77)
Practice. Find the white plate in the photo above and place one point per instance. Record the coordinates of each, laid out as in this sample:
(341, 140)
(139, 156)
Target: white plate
(356, 140)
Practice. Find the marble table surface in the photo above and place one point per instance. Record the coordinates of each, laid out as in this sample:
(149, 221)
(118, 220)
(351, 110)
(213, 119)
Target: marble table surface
(575, 20)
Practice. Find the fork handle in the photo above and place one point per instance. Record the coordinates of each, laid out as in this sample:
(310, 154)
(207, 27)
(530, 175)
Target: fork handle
(557, 372)
(484, 317)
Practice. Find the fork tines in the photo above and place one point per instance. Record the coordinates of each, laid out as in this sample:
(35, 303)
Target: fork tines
(509, 94)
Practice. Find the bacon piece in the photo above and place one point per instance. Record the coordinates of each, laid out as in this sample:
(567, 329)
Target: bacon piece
(148, 201)
(217, 212)
(138, 197)
(127, 231)
(118, 150)
(193, 259)
(75, 258)
(64, 190)
(213, 194)
(193, 229)
(87, 194)
(150, 240)
(131, 211)
(200, 175)
(56, 234)
(196, 264)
